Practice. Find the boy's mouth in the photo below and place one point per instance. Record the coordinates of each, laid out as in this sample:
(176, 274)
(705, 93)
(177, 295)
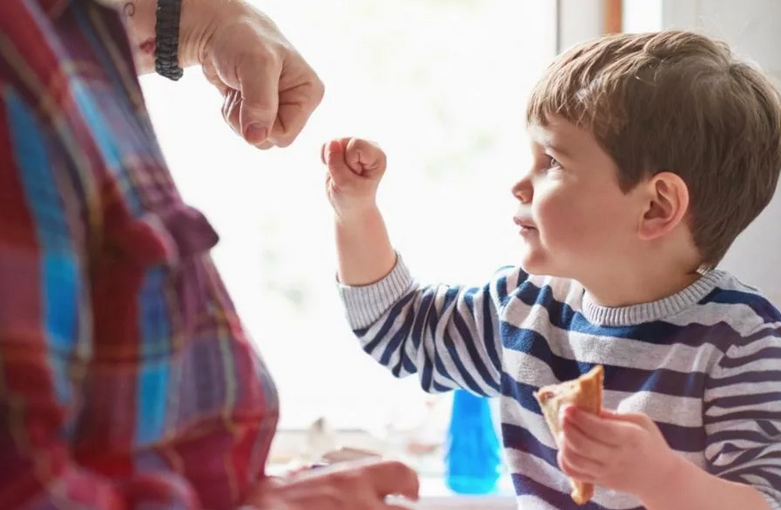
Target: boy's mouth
(526, 226)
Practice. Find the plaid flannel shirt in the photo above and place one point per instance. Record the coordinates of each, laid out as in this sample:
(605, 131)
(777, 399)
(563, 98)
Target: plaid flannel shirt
(126, 380)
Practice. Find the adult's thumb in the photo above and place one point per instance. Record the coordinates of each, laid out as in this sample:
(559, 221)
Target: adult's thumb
(259, 86)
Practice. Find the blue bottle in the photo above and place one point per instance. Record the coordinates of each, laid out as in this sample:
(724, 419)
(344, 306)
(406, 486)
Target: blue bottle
(473, 456)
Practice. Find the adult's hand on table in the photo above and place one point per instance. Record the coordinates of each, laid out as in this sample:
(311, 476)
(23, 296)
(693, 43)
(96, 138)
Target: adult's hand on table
(349, 486)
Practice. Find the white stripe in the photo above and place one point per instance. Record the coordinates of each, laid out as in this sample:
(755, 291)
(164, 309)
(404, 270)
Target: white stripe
(718, 411)
(755, 346)
(527, 369)
(538, 470)
(545, 474)
(743, 319)
(681, 411)
(478, 340)
(463, 356)
(742, 444)
(775, 470)
(732, 390)
(515, 414)
(726, 459)
(379, 349)
(759, 365)
(529, 502)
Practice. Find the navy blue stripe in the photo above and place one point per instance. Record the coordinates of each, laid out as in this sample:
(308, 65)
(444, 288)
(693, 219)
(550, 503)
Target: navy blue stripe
(744, 400)
(488, 340)
(396, 344)
(450, 299)
(518, 438)
(530, 342)
(525, 486)
(750, 415)
(460, 323)
(522, 277)
(501, 288)
(725, 436)
(753, 454)
(439, 388)
(521, 393)
(438, 365)
(426, 308)
(618, 378)
(683, 439)
(762, 354)
(466, 375)
(408, 365)
(394, 312)
(679, 437)
(470, 343)
(439, 368)
(745, 378)
(398, 339)
(423, 312)
(761, 334)
(738, 475)
(562, 316)
(761, 306)
(770, 428)
(491, 342)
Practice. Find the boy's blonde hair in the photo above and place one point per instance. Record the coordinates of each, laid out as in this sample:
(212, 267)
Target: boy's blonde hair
(680, 102)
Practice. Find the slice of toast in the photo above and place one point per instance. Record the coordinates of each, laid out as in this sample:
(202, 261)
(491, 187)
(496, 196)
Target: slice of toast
(586, 393)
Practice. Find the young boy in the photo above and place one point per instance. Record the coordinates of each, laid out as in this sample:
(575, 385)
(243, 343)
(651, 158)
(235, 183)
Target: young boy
(651, 154)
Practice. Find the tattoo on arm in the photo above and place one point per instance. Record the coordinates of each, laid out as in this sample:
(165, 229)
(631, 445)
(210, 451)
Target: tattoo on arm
(129, 9)
(148, 46)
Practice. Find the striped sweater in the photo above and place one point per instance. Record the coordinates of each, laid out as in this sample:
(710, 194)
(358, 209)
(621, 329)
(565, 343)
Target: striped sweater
(704, 364)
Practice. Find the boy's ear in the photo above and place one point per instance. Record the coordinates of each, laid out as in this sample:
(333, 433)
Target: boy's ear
(667, 201)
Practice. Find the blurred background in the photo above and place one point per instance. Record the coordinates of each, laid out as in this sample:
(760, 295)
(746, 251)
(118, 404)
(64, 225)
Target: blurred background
(442, 86)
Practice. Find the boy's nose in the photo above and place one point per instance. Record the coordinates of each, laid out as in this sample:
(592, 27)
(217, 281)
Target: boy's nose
(523, 191)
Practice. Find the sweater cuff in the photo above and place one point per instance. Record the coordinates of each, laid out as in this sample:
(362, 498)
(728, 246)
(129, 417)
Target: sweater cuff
(365, 304)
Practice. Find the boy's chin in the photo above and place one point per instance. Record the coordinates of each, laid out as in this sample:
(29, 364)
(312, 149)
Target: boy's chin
(538, 263)
(533, 264)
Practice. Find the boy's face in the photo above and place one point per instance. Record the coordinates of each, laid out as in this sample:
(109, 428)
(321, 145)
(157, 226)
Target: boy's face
(573, 217)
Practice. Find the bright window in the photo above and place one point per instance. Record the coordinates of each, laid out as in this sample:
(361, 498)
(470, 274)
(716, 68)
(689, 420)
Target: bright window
(442, 86)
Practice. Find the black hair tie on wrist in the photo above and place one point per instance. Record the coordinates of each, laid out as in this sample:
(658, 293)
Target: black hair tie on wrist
(167, 39)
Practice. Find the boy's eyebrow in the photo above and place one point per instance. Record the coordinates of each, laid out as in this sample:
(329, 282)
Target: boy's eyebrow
(556, 148)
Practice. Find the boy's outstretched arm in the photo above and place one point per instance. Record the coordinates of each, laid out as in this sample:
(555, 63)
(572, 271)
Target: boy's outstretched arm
(364, 251)
(448, 335)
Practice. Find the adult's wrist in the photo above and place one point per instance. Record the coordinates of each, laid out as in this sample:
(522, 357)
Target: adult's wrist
(167, 24)
(198, 21)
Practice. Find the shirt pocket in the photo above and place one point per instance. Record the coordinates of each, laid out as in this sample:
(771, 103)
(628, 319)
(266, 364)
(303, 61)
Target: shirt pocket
(151, 315)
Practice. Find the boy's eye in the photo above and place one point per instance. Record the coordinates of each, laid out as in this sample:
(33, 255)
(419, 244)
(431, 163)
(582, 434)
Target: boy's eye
(553, 163)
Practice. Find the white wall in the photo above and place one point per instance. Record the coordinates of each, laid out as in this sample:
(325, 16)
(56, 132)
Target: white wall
(579, 20)
(753, 28)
